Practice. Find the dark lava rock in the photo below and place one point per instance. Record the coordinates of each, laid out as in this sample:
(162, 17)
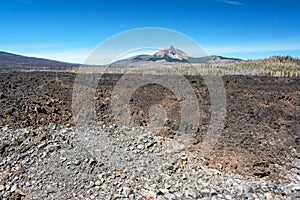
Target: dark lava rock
(260, 125)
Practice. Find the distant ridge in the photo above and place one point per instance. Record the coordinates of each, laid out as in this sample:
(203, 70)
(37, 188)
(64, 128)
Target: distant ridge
(172, 55)
(15, 62)
(10, 61)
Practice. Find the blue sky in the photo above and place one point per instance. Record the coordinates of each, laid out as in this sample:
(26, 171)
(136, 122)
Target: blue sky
(69, 30)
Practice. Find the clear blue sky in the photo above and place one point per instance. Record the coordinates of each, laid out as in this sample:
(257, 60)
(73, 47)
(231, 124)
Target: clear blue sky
(69, 29)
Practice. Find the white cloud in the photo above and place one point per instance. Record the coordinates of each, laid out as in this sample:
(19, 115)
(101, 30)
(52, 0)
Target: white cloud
(25, 1)
(231, 2)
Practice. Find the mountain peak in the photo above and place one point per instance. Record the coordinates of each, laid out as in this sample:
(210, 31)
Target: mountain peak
(172, 53)
(172, 48)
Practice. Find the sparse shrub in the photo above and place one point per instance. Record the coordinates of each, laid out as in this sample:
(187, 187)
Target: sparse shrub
(65, 86)
(18, 141)
(8, 116)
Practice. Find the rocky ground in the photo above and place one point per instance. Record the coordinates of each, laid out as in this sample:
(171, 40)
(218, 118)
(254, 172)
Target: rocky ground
(45, 154)
(111, 162)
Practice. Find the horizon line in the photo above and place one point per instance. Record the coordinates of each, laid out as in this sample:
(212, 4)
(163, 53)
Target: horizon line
(70, 62)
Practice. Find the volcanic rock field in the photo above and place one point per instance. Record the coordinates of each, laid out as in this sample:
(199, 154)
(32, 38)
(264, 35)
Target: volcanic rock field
(45, 154)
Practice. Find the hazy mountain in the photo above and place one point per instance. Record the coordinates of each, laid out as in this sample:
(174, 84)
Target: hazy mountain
(213, 59)
(9, 61)
(173, 54)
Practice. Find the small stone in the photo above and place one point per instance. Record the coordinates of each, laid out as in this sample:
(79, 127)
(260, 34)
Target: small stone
(161, 192)
(140, 198)
(76, 162)
(296, 164)
(228, 197)
(13, 188)
(118, 173)
(19, 191)
(98, 183)
(150, 195)
(213, 192)
(63, 131)
(119, 190)
(297, 187)
(140, 146)
(170, 196)
(92, 162)
(123, 176)
(63, 159)
(52, 148)
(178, 194)
(104, 186)
(54, 127)
(271, 185)
(7, 187)
(92, 184)
(205, 192)
(131, 197)
(190, 192)
(5, 128)
(42, 145)
(126, 191)
(68, 163)
(168, 186)
(268, 196)
(52, 187)
(297, 140)
(2, 187)
(248, 195)
(44, 154)
(100, 123)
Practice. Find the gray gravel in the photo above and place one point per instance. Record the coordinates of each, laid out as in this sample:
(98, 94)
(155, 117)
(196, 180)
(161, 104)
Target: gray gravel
(112, 162)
